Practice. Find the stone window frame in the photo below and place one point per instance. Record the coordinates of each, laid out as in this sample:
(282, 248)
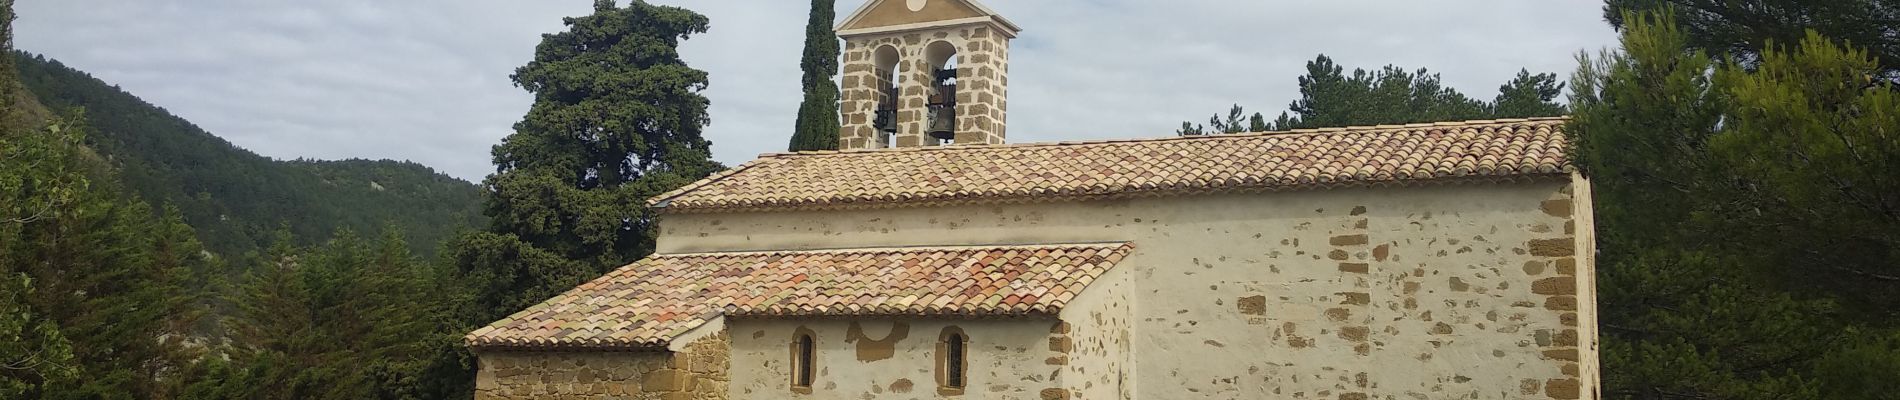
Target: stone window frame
(945, 340)
(804, 360)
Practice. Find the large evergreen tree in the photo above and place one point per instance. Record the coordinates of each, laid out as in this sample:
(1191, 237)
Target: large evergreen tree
(617, 119)
(1744, 218)
(817, 126)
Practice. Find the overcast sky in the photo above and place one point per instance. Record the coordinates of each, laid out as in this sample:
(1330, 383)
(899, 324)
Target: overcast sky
(427, 80)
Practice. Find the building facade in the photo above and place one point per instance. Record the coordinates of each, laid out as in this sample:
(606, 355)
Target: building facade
(1428, 261)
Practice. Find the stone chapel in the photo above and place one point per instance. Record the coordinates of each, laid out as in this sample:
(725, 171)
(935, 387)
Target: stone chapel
(929, 259)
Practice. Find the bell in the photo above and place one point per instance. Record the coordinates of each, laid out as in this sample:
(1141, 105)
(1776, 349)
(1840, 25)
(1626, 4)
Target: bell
(886, 120)
(943, 125)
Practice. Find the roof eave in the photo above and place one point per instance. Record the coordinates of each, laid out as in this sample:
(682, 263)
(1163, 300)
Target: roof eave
(855, 204)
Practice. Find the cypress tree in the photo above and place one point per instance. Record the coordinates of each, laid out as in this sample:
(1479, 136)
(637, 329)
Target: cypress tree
(817, 126)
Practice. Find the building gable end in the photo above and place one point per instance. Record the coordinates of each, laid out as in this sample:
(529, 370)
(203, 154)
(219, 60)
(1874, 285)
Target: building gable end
(885, 13)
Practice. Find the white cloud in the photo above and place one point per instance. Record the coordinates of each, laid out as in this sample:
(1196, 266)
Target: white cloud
(427, 80)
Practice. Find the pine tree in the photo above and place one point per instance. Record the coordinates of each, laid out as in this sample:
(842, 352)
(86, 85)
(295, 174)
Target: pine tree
(1744, 189)
(1742, 30)
(817, 126)
(1529, 96)
(1331, 97)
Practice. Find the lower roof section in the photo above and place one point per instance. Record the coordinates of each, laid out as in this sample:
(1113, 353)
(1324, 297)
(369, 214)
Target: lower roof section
(643, 306)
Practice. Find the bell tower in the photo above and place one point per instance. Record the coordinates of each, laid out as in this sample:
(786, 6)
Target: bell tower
(924, 73)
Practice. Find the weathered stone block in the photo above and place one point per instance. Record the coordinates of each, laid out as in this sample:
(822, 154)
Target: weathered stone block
(1557, 208)
(1355, 333)
(1252, 305)
(1562, 247)
(1355, 299)
(1557, 286)
(665, 380)
(1561, 303)
(1349, 240)
(1055, 394)
(1565, 389)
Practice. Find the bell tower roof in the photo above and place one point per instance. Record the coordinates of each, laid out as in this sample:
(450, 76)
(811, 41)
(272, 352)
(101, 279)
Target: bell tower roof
(884, 16)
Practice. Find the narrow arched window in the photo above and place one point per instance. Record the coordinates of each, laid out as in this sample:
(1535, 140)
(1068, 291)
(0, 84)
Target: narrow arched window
(803, 351)
(953, 361)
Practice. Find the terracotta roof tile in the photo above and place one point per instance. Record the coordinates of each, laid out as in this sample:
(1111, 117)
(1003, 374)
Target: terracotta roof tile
(1379, 155)
(646, 304)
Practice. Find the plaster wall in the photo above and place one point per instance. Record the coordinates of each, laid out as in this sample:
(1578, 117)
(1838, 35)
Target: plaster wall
(1441, 292)
(892, 358)
(1097, 328)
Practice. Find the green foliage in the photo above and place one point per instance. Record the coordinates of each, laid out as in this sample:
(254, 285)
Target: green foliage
(35, 184)
(1816, 138)
(235, 198)
(351, 319)
(1740, 30)
(103, 297)
(817, 126)
(1528, 96)
(1757, 265)
(103, 271)
(32, 350)
(1231, 124)
(567, 207)
(1391, 95)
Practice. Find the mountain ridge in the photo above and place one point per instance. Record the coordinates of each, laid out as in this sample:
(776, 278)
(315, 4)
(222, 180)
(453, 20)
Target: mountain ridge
(236, 198)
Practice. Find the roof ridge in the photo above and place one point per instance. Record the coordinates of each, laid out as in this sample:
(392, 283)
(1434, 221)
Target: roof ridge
(1219, 136)
(888, 249)
(662, 198)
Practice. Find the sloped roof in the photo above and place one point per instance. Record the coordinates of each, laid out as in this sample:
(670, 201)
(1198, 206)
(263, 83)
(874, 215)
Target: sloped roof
(1491, 150)
(646, 304)
(881, 15)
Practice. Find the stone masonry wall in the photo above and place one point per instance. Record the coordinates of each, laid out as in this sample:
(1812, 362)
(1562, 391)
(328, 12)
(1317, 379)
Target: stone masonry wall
(876, 358)
(982, 86)
(698, 373)
(1097, 332)
(1442, 292)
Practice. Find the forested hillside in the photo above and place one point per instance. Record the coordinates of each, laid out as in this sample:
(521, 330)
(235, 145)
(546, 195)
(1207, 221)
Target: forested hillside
(235, 198)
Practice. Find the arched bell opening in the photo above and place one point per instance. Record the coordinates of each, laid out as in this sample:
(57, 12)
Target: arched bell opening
(885, 119)
(941, 99)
